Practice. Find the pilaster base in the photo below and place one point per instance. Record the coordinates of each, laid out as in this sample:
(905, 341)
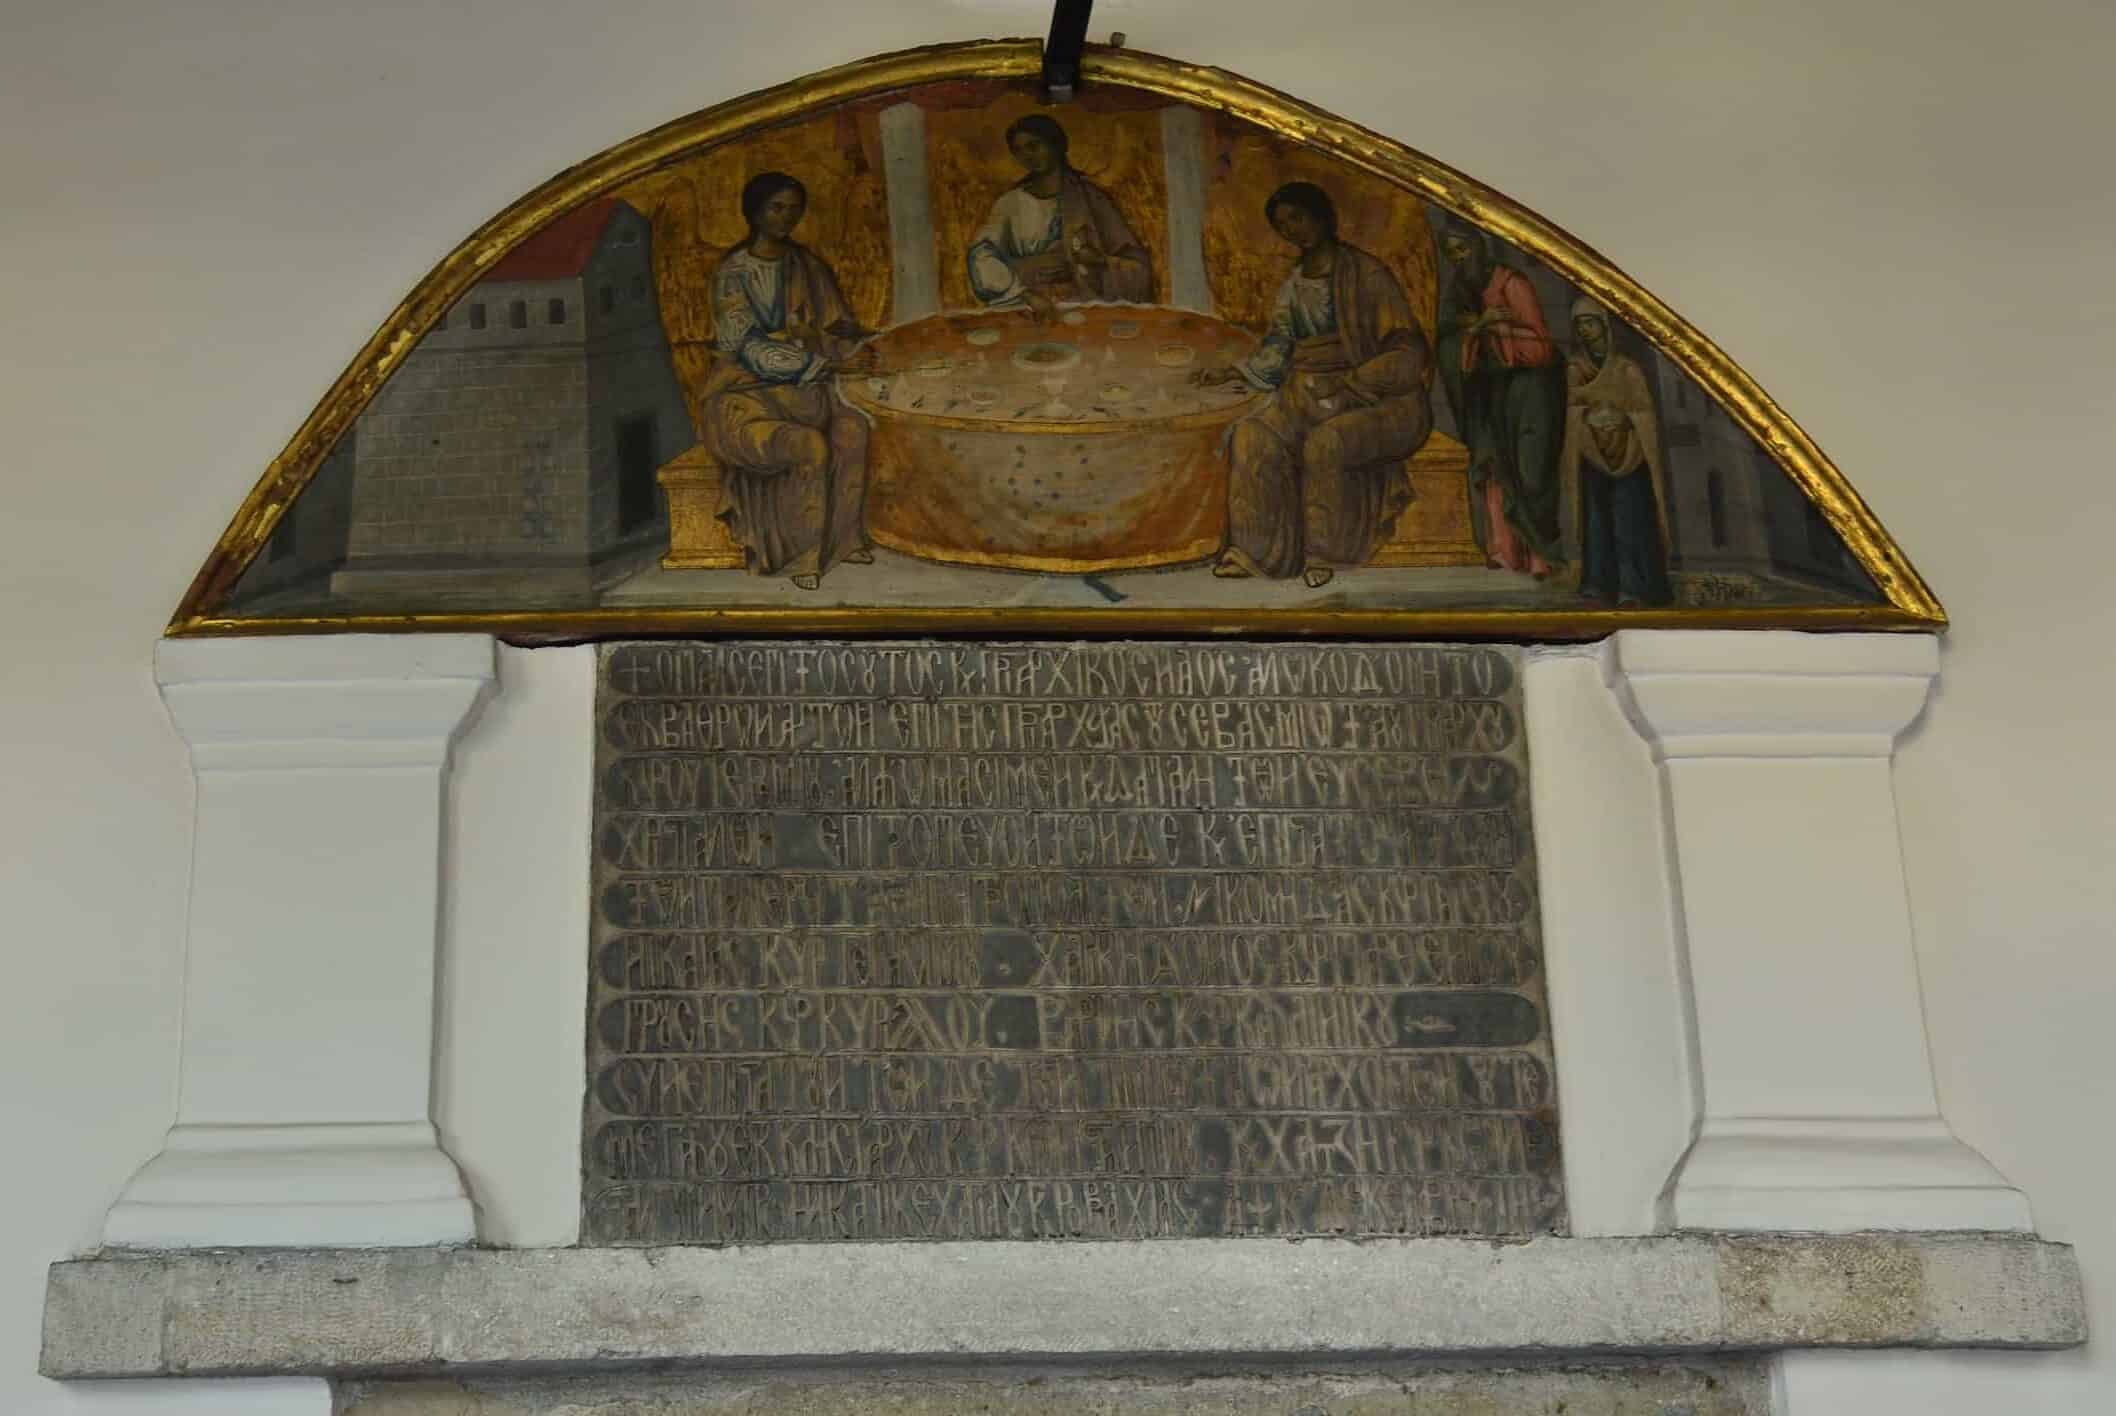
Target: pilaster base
(287, 1186)
(1838, 1175)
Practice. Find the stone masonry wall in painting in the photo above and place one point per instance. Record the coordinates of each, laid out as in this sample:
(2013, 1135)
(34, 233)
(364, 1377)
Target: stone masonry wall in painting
(506, 480)
(990, 941)
(523, 433)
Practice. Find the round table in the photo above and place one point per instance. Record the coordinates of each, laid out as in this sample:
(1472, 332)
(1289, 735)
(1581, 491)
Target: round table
(1072, 446)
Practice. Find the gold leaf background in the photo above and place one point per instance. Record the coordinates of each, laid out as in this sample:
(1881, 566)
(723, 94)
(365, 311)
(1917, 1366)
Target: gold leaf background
(696, 208)
(968, 166)
(1246, 261)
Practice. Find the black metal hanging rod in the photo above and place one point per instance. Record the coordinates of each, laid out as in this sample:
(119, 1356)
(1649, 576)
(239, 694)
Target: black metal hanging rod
(1061, 51)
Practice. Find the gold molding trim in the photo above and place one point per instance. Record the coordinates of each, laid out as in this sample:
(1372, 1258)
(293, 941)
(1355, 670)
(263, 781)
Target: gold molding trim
(1910, 604)
(547, 626)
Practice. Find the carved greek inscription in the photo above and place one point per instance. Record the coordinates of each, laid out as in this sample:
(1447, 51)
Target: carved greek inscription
(965, 941)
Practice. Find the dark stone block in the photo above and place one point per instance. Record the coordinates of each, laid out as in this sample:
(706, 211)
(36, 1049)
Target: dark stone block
(1110, 941)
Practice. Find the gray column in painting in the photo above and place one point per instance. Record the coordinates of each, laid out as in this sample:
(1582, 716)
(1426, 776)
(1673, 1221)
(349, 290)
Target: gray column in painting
(917, 279)
(1183, 154)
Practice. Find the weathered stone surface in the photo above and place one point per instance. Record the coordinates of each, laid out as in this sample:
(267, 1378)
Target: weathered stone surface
(1851, 1288)
(1732, 1387)
(406, 1312)
(2003, 1290)
(1064, 941)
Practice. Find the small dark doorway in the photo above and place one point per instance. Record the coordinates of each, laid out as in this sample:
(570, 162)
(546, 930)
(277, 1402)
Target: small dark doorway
(638, 458)
(1716, 506)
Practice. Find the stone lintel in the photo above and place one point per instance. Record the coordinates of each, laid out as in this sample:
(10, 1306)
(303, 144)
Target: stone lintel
(1718, 1385)
(408, 1312)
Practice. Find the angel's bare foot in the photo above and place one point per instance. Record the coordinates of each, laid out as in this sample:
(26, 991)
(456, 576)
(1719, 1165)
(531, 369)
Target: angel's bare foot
(1317, 576)
(1229, 568)
(808, 582)
(862, 556)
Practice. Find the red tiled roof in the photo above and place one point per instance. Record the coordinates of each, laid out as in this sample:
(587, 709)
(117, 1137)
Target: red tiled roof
(561, 249)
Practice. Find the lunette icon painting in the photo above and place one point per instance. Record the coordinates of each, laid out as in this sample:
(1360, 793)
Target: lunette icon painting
(943, 350)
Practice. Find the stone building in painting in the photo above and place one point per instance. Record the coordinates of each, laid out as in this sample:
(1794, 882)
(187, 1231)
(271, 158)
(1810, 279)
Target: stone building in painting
(1737, 521)
(308, 543)
(518, 443)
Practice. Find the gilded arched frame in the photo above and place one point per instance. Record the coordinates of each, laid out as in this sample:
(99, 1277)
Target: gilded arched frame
(1902, 600)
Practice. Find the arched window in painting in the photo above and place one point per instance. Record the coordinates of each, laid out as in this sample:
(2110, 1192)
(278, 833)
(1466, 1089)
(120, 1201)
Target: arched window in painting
(926, 351)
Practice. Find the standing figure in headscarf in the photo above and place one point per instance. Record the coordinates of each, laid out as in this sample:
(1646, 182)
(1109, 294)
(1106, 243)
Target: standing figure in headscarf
(1507, 388)
(1612, 463)
(794, 457)
(1316, 479)
(1055, 235)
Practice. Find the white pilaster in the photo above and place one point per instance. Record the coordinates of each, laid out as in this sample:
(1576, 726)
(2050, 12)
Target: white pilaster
(1912, 1383)
(1818, 1109)
(304, 1105)
(1625, 1068)
(248, 1396)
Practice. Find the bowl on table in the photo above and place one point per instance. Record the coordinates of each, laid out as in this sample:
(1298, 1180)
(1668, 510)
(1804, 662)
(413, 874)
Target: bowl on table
(1175, 356)
(1047, 356)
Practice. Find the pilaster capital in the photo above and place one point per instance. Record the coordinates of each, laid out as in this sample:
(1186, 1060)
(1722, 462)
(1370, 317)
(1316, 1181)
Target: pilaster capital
(354, 700)
(1782, 693)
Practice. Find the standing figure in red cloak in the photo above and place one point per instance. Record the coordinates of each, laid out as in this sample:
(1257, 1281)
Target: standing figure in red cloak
(1507, 386)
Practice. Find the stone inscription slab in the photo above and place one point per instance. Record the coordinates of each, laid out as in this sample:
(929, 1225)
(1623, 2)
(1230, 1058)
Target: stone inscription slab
(1056, 941)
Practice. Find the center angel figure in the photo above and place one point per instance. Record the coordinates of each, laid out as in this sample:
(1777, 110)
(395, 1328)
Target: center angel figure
(1055, 235)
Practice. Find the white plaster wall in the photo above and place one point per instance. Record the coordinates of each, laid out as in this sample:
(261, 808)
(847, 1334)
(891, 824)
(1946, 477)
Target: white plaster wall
(514, 977)
(1895, 214)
